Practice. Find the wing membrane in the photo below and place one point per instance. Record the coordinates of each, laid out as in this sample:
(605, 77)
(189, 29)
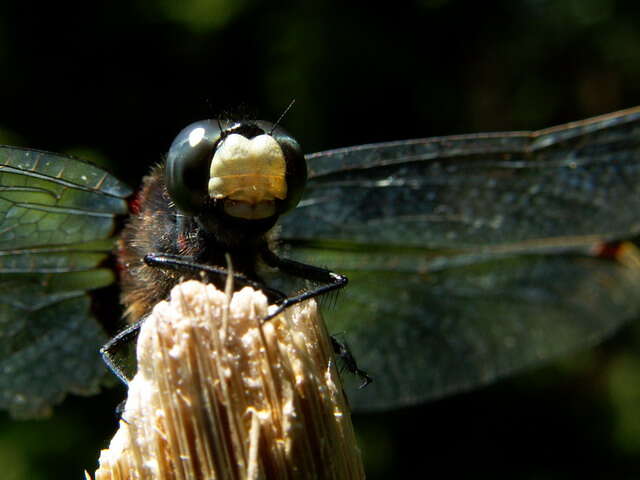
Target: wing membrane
(56, 216)
(423, 333)
(468, 256)
(566, 185)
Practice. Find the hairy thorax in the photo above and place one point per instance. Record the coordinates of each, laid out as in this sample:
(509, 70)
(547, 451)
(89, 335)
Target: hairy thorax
(158, 227)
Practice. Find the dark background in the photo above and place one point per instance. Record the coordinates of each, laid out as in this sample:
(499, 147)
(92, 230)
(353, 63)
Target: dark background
(115, 81)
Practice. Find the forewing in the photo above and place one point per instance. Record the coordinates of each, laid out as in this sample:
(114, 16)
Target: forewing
(56, 216)
(425, 326)
(566, 185)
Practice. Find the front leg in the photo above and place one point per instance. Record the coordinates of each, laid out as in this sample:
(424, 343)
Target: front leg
(186, 265)
(332, 281)
(109, 349)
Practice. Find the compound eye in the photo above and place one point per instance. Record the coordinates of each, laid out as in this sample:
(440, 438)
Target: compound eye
(187, 165)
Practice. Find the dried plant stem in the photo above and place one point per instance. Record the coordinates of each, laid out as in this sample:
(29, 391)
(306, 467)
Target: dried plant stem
(220, 395)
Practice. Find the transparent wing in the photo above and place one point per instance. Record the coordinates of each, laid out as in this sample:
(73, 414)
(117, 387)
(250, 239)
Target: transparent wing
(424, 325)
(457, 250)
(565, 185)
(56, 216)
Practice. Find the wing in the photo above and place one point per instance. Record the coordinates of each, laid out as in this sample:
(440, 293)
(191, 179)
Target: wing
(467, 256)
(565, 185)
(425, 325)
(56, 216)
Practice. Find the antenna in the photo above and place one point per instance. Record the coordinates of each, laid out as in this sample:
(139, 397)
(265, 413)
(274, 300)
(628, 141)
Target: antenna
(286, 110)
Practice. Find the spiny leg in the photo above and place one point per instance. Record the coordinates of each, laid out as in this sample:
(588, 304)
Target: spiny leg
(108, 350)
(184, 264)
(332, 281)
(180, 264)
(342, 351)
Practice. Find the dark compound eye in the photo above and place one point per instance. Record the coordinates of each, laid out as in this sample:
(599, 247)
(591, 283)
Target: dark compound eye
(252, 169)
(188, 162)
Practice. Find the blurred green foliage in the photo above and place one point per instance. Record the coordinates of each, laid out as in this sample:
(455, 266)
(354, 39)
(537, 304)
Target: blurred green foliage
(117, 80)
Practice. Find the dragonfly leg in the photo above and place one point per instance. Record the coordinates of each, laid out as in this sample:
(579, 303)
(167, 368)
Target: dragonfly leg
(331, 280)
(108, 350)
(342, 351)
(184, 264)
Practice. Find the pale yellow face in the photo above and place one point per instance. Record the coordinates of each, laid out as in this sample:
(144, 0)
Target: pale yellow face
(248, 175)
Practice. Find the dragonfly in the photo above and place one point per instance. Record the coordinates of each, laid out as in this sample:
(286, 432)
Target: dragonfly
(469, 257)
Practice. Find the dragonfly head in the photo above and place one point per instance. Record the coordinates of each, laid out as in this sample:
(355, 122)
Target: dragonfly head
(249, 171)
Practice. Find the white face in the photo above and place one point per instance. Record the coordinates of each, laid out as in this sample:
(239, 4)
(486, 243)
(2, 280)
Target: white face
(249, 175)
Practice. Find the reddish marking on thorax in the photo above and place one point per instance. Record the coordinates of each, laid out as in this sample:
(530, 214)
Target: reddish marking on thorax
(135, 201)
